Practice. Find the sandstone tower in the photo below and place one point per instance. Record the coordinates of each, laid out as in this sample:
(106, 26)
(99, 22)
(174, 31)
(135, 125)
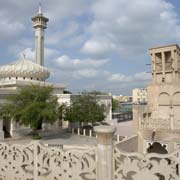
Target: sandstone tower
(159, 120)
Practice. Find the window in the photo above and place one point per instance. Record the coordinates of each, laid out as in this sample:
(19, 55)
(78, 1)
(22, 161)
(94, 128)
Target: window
(158, 60)
(168, 60)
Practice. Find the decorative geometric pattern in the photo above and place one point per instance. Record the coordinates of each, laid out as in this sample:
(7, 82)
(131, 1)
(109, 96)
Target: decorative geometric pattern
(136, 166)
(54, 163)
(37, 162)
(151, 124)
(16, 162)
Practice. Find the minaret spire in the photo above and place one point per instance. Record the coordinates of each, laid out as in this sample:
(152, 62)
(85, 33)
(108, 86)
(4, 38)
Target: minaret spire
(39, 24)
(40, 9)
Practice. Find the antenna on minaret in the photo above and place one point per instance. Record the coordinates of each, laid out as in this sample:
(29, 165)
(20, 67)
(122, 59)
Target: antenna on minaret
(40, 8)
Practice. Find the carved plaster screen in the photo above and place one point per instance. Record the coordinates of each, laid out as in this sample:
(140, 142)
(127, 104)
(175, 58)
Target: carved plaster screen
(37, 162)
(136, 166)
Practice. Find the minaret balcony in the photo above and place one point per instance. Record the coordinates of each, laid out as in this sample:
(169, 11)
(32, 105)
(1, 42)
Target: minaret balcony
(40, 24)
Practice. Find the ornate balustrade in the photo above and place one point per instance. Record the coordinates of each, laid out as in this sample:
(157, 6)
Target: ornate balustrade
(152, 166)
(38, 162)
(151, 124)
(102, 162)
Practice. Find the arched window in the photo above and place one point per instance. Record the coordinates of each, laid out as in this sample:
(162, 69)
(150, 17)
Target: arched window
(164, 99)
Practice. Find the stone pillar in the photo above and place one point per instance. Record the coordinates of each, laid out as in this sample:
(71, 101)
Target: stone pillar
(163, 64)
(1, 130)
(153, 68)
(105, 152)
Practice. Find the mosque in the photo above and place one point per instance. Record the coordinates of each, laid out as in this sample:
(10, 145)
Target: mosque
(25, 72)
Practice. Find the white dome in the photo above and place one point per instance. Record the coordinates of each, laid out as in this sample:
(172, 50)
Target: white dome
(24, 69)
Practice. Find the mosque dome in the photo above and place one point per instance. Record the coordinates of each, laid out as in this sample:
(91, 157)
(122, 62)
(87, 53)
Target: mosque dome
(25, 69)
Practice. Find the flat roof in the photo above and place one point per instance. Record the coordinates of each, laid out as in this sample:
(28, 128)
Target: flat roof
(158, 47)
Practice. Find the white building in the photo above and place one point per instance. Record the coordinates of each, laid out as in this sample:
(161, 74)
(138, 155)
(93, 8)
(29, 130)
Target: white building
(139, 96)
(25, 72)
(123, 99)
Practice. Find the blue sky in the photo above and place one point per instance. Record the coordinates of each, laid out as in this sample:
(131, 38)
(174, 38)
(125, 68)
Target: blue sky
(92, 44)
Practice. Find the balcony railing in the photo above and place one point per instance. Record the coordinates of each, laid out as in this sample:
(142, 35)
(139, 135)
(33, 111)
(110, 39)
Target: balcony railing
(104, 161)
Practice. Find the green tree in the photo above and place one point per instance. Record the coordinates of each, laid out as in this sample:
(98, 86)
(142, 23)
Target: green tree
(31, 106)
(115, 105)
(84, 108)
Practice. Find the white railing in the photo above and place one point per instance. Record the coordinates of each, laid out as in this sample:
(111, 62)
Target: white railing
(90, 133)
(38, 162)
(152, 166)
(104, 161)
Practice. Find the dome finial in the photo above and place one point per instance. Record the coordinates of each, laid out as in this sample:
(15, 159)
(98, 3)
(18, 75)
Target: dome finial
(40, 8)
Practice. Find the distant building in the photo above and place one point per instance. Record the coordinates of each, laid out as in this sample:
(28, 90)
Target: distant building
(124, 113)
(123, 99)
(139, 96)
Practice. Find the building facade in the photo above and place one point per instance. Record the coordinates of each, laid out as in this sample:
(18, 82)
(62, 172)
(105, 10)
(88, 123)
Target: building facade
(159, 121)
(123, 99)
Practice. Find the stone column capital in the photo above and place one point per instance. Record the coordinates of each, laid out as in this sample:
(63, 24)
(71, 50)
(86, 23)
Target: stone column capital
(105, 134)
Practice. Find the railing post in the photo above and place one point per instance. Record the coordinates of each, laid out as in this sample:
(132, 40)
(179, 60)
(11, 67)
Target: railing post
(84, 132)
(78, 131)
(105, 152)
(90, 132)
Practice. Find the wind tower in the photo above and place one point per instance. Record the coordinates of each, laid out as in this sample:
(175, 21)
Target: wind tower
(39, 24)
(159, 121)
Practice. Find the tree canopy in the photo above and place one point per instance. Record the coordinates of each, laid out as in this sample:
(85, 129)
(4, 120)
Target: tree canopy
(31, 106)
(115, 105)
(84, 108)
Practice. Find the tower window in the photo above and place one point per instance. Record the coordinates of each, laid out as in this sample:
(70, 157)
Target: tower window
(23, 77)
(16, 77)
(158, 61)
(168, 60)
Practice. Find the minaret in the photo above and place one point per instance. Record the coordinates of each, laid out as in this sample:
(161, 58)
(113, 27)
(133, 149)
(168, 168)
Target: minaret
(39, 24)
